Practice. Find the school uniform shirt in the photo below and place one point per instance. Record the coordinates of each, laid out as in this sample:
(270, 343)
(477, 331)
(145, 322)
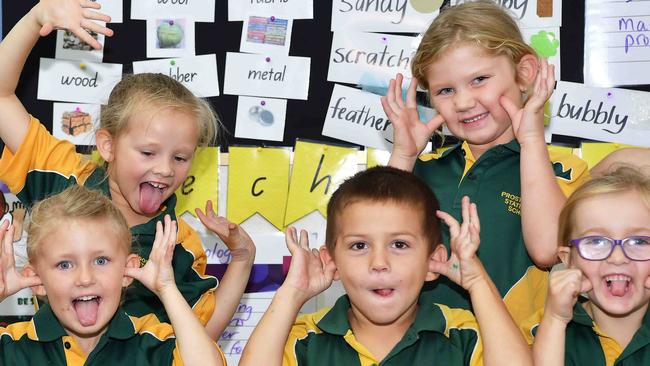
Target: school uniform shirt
(44, 165)
(438, 336)
(586, 344)
(128, 340)
(493, 183)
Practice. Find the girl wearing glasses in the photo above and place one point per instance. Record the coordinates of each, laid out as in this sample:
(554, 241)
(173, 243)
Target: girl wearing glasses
(596, 312)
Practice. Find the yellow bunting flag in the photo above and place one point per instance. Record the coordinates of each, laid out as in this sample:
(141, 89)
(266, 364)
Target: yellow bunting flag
(258, 182)
(377, 157)
(594, 152)
(555, 149)
(202, 182)
(317, 172)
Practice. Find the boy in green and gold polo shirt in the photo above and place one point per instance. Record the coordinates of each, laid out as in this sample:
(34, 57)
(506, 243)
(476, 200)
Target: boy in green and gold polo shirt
(382, 242)
(79, 250)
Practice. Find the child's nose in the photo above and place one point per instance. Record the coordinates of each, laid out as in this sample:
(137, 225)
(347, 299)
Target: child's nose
(379, 261)
(164, 168)
(617, 256)
(85, 276)
(463, 100)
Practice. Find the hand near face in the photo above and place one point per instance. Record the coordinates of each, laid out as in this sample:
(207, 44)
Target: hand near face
(239, 243)
(563, 290)
(410, 134)
(11, 281)
(158, 275)
(528, 122)
(463, 266)
(307, 276)
(73, 15)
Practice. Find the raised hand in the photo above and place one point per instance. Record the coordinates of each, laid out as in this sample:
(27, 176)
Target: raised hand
(563, 289)
(158, 275)
(410, 134)
(463, 266)
(308, 276)
(528, 121)
(73, 15)
(11, 281)
(237, 240)
(18, 212)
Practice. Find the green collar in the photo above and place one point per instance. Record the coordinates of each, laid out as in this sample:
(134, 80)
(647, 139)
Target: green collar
(428, 318)
(48, 328)
(513, 146)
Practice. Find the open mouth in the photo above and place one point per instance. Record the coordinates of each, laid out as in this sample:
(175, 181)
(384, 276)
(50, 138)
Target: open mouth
(87, 308)
(384, 292)
(151, 196)
(618, 285)
(475, 118)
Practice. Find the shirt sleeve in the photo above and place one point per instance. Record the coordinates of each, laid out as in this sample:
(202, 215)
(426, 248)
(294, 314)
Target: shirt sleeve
(295, 350)
(43, 165)
(529, 327)
(462, 329)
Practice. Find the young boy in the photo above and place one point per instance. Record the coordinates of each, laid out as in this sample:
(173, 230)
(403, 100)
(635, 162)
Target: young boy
(80, 260)
(382, 242)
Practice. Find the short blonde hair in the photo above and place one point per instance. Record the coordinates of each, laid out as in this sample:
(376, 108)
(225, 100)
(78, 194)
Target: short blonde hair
(156, 91)
(623, 179)
(481, 23)
(74, 203)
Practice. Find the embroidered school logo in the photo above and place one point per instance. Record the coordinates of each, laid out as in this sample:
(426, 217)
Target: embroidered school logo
(513, 202)
(558, 169)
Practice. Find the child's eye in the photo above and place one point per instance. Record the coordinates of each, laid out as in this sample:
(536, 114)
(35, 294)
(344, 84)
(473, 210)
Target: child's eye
(399, 244)
(101, 261)
(146, 153)
(445, 91)
(64, 265)
(181, 159)
(359, 246)
(479, 80)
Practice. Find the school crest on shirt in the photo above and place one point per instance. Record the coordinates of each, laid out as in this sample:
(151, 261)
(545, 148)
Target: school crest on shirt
(558, 169)
(512, 202)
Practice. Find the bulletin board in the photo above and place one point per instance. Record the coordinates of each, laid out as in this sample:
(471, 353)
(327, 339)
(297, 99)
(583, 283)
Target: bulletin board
(311, 38)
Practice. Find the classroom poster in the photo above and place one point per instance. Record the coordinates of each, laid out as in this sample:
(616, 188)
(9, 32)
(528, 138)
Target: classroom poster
(201, 183)
(288, 9)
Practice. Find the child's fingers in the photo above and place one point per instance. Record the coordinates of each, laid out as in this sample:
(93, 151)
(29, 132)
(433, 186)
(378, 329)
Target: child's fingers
(512, 109)
(391, 97)
(411, 94)
(90, 25)
(290, 239)
(90, 4)
(304, 239)
(209, 209)
(434, 123)
(31, 281)
(86, 37)
(454, 227)
(399, 99)
(46, 29)
(473, 215)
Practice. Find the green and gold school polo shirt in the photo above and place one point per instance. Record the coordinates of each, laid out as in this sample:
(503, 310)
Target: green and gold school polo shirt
(128, 340)
(44, 165)
(493, 182)
(586, 344)
(438, 336)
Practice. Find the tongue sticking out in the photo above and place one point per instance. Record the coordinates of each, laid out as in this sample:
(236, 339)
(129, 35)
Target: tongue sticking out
(86, 311)
(618, 288)
(150, 198)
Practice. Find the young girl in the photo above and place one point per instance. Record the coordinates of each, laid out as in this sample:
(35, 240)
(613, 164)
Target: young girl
(604, 241)
(79, 249)
(149, 132)
(489, 87)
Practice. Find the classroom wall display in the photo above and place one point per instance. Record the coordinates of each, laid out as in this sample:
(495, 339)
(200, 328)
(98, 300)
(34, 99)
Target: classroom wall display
(532, 13)
(196, 11)
(266, 35)
(112, 8)
(197, 73)
(261, 118)
(617, 43)
(70, 47)
(76, 122)
(170, 37)
(382, 16)
(289, 9)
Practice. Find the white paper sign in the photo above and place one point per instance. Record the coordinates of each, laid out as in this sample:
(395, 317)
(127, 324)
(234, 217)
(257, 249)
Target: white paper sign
(197, 73)
(617, 43)
(75, 122)
(379, 16)
(70, 47)
(170, 37)
(369, 58)
(112, 8)
(526, 12)
(82, 82)
(261, 118)
(198, 11)
(288, 9)
(267, 76)
(356, 116)
(611, 115)
(264, 35)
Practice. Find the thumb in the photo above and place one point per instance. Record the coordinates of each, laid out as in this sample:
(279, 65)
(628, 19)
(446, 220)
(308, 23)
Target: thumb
(31, 282)
(439, 267)
(434, 123)
(511, 108)
(46, 29)
(585, 285)
(132, 272)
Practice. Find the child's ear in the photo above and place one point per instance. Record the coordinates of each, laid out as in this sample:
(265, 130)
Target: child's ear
(327, 258)
(29, 271)
(437, 259)
(564, 253)
(105, 144)
(132, 261)
(527, 71)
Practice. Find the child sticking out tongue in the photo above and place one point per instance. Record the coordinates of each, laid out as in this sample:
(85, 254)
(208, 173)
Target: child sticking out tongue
(150, 198)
